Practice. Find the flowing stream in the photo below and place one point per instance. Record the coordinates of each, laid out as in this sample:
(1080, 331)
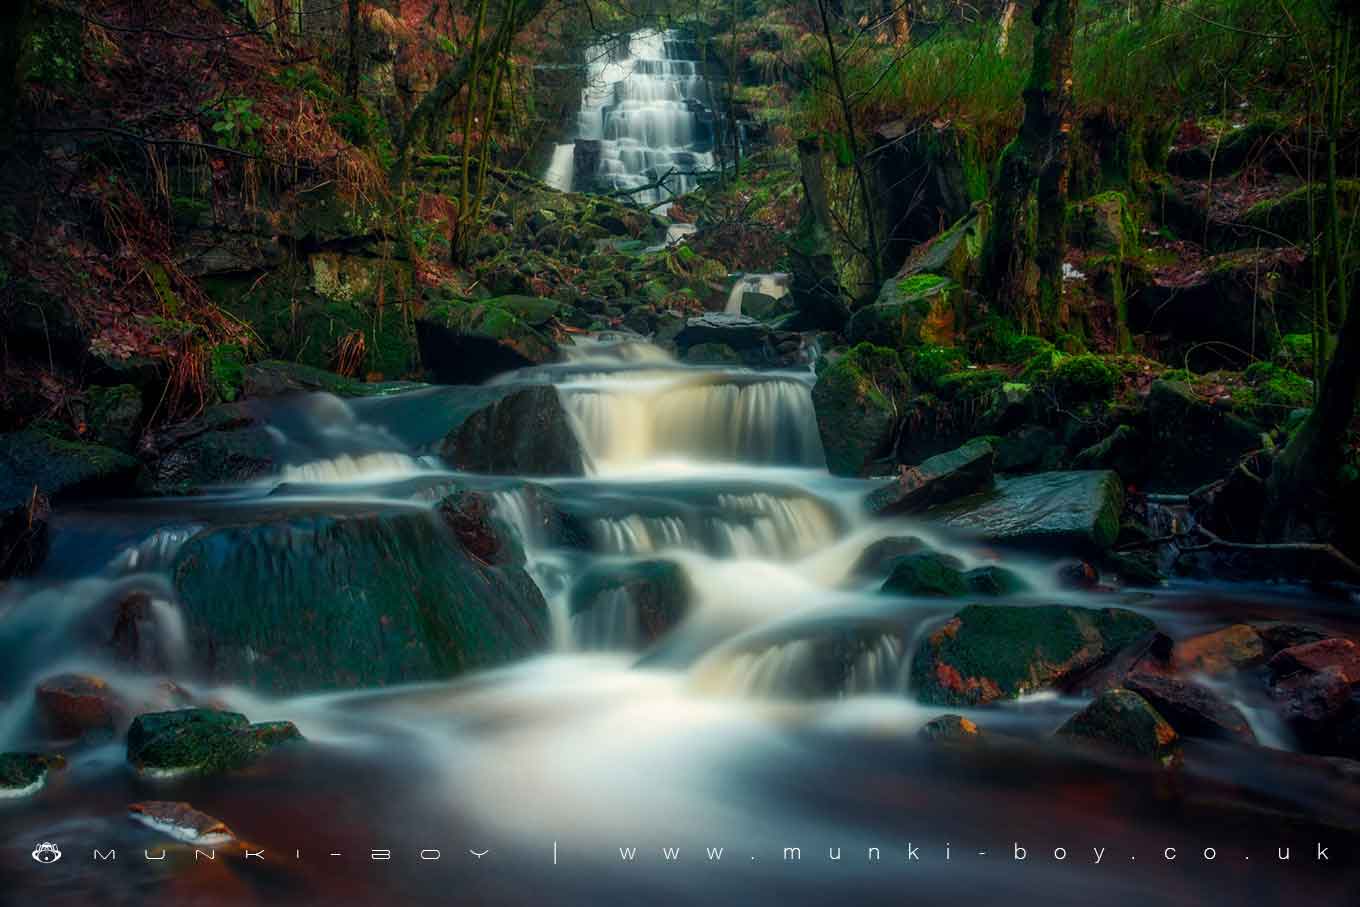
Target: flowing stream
(726, 734)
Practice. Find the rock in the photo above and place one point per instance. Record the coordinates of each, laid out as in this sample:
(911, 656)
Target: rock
(1189, 441)
(712, 354)
(227, 444)
(388, 596)
(950, 729)
(1310, 701)
(585, 163)
(1230, 649)
(516, 430)
(929, 574)
(200, 742)
(1121, 451)
(1078, 575)
(1103, 223)
(57, 468)
(24, 536)
(994, 582)
(1058, 511)
(274, 378)
(1315, 657)
(990, 652)
(923, 175)
(1026, 449)
(470, 342)
(878, 558)
(1193, 710)
(24, 774)
(469, 515)
(740, 332)
(937, 480)
(855, 401)
(1278, 635)
(73, 704)
(655, 596)
(1124, 720)
(114, 415)
(909, 312)
(181, 822)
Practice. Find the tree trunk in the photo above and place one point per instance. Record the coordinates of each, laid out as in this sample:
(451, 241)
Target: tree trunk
(1022, 256)
(816, 288)
(352, 55)
(16, 21)
(1007, 19)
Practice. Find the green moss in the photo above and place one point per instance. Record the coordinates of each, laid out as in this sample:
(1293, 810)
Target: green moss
(1084, 378)
(1287, 216)
(931, 363)
(201, 741)
(970, 384)
(920, 284)
(927, 575)
(227, 367)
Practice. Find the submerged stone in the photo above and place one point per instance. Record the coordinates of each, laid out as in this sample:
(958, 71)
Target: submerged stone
(24, 774)
(990, 652)
(73, 704)
(929, 574)
(950, 729)
(182, 822)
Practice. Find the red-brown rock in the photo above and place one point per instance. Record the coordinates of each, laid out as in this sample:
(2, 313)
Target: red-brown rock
(1314, 657)
(1221, 651)
(74, 704)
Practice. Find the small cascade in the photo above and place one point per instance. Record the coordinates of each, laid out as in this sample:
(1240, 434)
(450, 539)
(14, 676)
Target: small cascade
(765, 421)
(780, 670)
(640, 535)
(156, 552)
(770, 526)
(878, 669)
(610, 624)
(775, 285)
(644, 115)
(348, 468)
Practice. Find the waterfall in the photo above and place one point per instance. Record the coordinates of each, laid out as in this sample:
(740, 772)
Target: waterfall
(775, 285)
(373, 467)
(643, 115)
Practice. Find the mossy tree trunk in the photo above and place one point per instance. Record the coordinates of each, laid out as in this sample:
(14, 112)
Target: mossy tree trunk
(816, 288)
(16, 21)
(1022, 256)
(352, 52)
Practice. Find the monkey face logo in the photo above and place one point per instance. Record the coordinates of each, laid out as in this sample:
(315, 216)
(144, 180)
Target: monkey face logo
(46, 853)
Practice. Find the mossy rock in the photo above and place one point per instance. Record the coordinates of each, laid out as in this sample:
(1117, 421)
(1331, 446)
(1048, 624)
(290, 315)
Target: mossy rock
(994, 582)
(910, 311)
(1190, 440)
(1103, 223)
(1125, 721)
(201, 742)
(24, 774)
(274, 377)
(991, 652)
(928, 574)
(57, 467)
(1287, 216)
(1084, 379)
(224, 445)
(712, 354)
(467, 342)
(114, 415)
(856, 400)
(1060, 512)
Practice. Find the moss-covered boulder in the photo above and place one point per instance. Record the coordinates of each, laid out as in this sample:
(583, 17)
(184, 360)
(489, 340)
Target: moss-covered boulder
(936, 480)
(1190, 441)
(1123, 720)
(629, 605)
(114, 415)
(990, 652)
(1103, 223)
(57, 466)
(857, 399)
(520, 430)
(339, 602)
(994, 582)
(226, 444)
(909, 311)
(1287, 217)
(1063, 512)
(928, 574)
(201, 742)
(274, 377)
(24, 774)
(467, 342)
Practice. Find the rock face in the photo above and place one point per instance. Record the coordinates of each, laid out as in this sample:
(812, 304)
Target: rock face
(656, 592)
(857, 413)
(910, 311)
(937, 480)
(1193, 710)
(469, 342)
(1124, 720)
(1056, 511)
(182, 822)
(345, 602)
(1191, 442)
(274, 377)
(990, 652)
(226, 444)
(201, 742)
(524, 431)
(24, 774)
(56, 467)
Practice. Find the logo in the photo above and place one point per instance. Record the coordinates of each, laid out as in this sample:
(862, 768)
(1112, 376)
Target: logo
(46, 853)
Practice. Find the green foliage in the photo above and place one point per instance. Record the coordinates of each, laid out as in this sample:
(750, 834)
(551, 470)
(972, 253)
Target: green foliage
(1273, 386)
(878, 370)
(227, 368)
(236, 123)
(54, 48)
(931, 363)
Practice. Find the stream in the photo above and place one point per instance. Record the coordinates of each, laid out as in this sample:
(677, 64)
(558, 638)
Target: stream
(715, 738)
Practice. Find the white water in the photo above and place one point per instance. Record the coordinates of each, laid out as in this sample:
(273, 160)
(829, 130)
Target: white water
(646, 106)
(775, 285)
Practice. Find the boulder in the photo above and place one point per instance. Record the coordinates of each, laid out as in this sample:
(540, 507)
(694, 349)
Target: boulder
(24, 774)
(200, 742)
(1103, 223)
(1190, 442)
(950, 729)
(36, 458)
(114, 415)
(855, 399)
(909, 312)
(74, 704)
(181, 822)
(1054, 511)
(517, 430)
(994, 582)
(227, 444)
(1315, 657)
(464, 342)
(1124, 720)
(937, 480)
(655, 596)
(877, 559)
(388, 596)
(1310, 702)
(1193, 710)
(1221, 651)
(928, 574)
(990, 652)
(740, 332)
(273, 378)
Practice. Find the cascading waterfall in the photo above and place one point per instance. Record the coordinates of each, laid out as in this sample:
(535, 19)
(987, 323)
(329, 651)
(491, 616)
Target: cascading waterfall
(644, 114)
